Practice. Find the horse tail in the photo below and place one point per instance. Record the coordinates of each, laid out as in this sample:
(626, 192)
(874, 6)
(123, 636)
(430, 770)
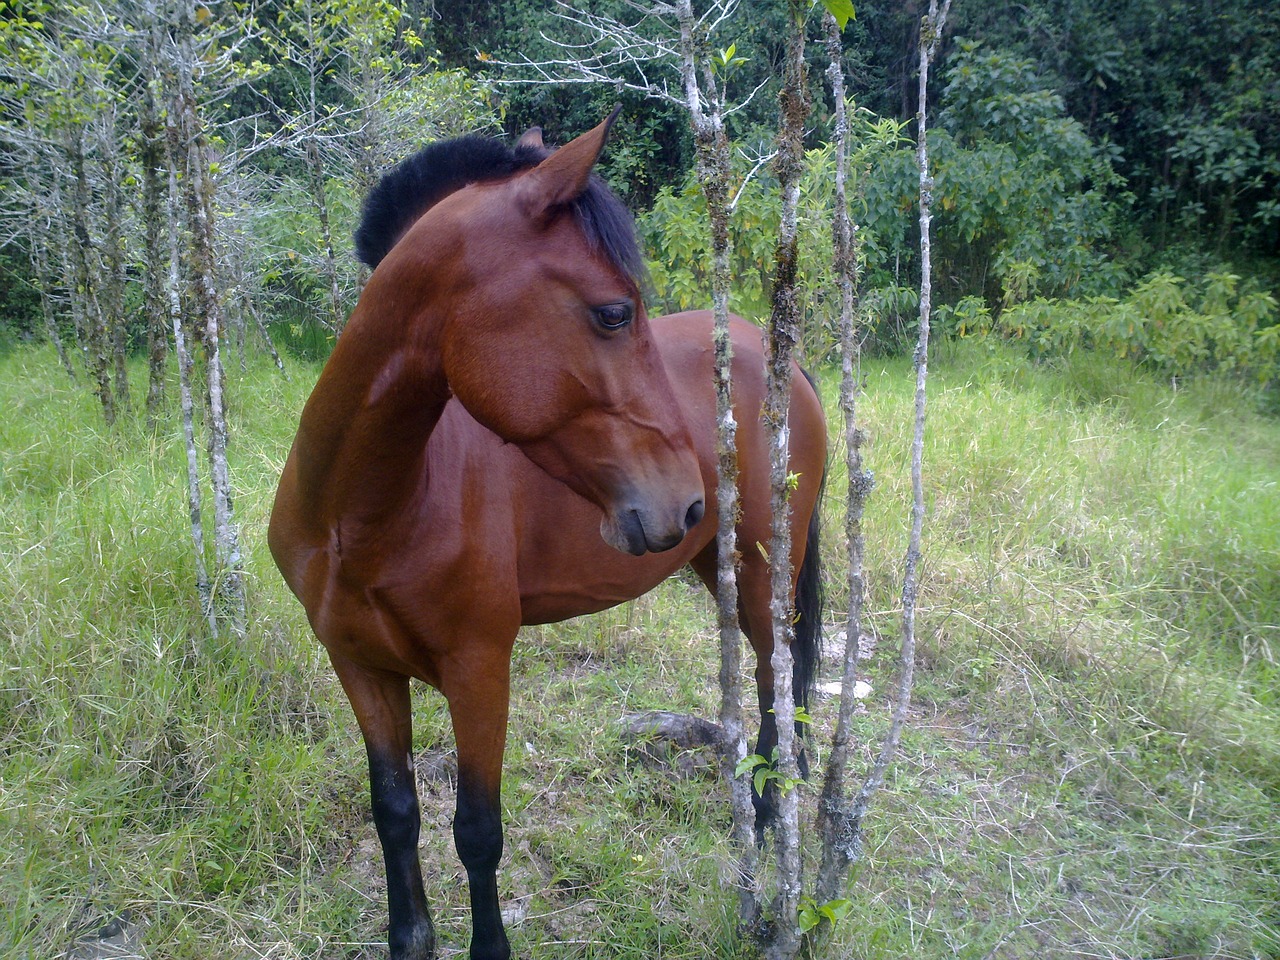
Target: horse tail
(806, 643)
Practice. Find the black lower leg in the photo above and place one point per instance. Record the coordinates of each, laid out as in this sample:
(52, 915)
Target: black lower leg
(477, 833)
(766, 802)
(802, 755)
(395, 813)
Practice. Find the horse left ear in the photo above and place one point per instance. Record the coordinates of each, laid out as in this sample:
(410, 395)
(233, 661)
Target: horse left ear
(563, 176)
(531, 138)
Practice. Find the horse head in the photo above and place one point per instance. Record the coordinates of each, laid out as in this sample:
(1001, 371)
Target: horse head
(547, 342)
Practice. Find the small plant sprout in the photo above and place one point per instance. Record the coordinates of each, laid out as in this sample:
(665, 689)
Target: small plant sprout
(802, 715)
(813, 913)
(727, 60)
(764, 771)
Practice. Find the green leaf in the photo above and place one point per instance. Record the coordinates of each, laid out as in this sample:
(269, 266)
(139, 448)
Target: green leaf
(762, 777)
(842, 10)
(836, 910)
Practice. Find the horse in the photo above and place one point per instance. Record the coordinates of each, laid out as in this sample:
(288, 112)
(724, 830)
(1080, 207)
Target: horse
(502, 436)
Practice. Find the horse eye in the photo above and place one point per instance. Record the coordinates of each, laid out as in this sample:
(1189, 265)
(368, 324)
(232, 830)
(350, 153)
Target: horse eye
(614, 316)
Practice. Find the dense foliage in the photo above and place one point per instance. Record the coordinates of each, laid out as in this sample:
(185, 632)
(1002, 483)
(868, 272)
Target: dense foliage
(1078, 151)
(1176, 327)
(1184, 94)
(1026, 206)
(1188, 92)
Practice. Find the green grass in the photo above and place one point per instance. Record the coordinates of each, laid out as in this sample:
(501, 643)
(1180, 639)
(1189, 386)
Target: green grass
(1092, 767)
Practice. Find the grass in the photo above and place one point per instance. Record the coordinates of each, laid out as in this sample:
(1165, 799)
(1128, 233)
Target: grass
(1092, 768)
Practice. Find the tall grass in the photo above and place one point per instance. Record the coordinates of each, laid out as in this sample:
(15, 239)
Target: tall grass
(147, 769)
(1093, 768)
(1102, 631)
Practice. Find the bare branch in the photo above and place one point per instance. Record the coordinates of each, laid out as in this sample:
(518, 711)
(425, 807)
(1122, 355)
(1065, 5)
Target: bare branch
(628, 56)
(755, 168)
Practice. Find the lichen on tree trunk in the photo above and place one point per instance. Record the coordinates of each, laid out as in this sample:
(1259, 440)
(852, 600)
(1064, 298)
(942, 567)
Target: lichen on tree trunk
(783, 941)
(188, 143)
(833, 824)
(705, 103)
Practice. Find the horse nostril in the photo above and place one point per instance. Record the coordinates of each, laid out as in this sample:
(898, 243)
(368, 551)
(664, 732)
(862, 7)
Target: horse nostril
(694, 515)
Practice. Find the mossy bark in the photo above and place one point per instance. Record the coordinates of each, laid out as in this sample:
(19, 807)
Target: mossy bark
(783, 939)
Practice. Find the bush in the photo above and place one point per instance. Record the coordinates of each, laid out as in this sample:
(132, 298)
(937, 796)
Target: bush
(1025, 203)
(1025, 199)
(678, 241)
(1165, 322)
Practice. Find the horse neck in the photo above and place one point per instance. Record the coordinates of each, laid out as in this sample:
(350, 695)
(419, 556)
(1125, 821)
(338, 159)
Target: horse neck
(365, 428)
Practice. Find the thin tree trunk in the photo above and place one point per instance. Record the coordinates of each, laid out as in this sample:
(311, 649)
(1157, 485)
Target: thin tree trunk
(833, 824)
(204, 589)
(230, 241)
(320, 200)
(224, 596)
(65, 232)
(229, 591)
(45, 282)
(249, 308)
(154, 287)
(235, 330)
(713, 171)
(86, 283)
(930, 33)
(784, 328)
(239, 280)
(113, 260)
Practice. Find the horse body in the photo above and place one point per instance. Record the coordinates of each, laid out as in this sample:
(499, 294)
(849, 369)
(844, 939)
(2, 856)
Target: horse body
(502, 437)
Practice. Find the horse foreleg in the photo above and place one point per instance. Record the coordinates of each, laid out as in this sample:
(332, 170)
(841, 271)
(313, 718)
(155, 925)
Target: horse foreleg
(478, 694)
(382, 708)
(755, 621)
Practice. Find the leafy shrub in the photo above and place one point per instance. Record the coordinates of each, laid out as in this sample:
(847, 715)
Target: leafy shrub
(1024, 197)
(1165, 322)
(970, 316)
(676, 235)
(1024, 202)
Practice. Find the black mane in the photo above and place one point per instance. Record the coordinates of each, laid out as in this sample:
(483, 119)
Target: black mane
(424, 179)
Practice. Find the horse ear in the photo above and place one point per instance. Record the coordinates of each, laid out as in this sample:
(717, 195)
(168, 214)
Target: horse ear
(531, 138)
(563, 176)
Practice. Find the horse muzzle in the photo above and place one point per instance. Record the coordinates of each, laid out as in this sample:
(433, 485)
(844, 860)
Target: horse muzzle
(638, 528)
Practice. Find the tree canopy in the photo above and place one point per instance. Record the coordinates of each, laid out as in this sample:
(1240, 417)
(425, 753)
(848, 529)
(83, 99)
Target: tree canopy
(1080, 147)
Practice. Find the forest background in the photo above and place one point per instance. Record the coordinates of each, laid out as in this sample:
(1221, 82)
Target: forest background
(1093, 767)
(1125, 156)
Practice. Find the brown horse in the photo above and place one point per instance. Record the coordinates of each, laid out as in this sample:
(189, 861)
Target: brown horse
(503, 437)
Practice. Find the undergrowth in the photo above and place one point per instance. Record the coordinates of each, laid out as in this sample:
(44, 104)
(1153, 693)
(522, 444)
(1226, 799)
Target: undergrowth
(1092, 767)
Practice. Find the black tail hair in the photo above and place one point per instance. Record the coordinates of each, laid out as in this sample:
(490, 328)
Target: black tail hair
(806, 644)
